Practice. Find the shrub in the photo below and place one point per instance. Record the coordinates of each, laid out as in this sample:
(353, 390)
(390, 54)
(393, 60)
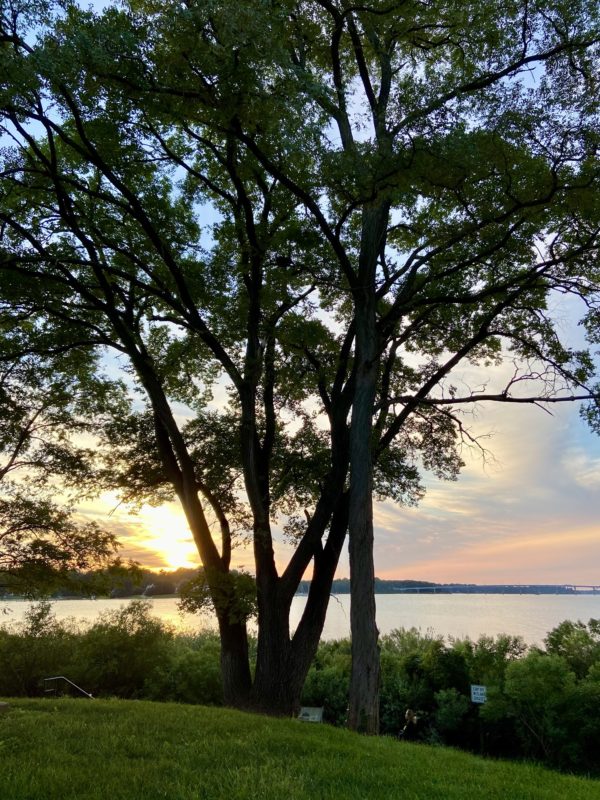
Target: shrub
(41, 647)
(452, 707)
(328, 681)
(123, 650)
(577, 643)
(539, 688)
(192, 674)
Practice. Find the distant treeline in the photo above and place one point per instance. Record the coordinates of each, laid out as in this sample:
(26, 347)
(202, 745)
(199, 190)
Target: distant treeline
(137, 582)
(342, 586)
(142, 582)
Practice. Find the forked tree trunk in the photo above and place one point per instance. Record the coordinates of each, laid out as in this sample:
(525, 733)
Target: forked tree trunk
(271, 692)
(283, 663)
(281, 667)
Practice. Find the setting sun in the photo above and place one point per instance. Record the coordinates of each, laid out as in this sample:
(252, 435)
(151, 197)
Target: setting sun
(156, 537)
(166, 533)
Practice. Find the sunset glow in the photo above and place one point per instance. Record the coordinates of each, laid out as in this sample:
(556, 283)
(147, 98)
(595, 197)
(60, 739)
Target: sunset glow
(528, 515)
(168, 534)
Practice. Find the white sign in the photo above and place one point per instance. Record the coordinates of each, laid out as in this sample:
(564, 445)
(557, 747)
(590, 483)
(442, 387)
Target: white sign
(478, 693)
(311, 714)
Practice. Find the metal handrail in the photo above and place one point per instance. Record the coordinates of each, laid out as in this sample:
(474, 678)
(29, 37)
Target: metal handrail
(70, 682)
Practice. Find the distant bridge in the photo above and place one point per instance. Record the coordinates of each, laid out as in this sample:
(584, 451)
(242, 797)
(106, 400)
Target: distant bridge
(501, 588)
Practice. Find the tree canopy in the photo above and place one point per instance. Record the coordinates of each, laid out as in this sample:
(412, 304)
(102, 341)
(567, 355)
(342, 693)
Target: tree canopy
(323, 212)
(48, 406)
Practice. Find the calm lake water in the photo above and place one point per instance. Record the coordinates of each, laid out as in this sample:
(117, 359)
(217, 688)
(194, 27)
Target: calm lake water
(529, 616)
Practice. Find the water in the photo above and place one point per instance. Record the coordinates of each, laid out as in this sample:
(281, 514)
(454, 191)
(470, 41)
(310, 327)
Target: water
(456, 615)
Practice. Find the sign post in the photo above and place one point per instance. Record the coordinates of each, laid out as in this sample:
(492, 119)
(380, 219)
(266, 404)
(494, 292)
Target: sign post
(479, 696)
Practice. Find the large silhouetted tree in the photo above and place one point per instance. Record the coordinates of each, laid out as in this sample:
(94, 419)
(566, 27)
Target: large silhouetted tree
(331, 209)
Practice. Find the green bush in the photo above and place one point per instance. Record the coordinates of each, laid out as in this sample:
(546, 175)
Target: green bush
(192, 674)
(41, 647)
(541, 704)
(121, 652)
(451, 710)
(577, 643)
(539, 689)
(328, 681)
(581, 729)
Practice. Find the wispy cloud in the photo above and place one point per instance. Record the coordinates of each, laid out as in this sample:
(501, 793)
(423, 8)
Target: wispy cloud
(530, 516)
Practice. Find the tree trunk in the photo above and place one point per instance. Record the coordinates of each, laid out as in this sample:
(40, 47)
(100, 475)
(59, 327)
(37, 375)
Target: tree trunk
(308, 633)
(363, 712)
(283, 664)
(277, 681)
(235, 667)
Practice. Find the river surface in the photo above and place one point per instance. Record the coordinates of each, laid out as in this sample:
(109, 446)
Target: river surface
(457, 615)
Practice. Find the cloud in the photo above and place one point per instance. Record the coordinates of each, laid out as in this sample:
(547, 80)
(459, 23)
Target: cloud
(535, 556)
(529, 516)
(583, 468)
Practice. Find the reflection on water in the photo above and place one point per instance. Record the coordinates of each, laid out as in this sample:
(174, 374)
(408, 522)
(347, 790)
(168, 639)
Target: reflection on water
(461, 615)
(86, 611)
(530, 616)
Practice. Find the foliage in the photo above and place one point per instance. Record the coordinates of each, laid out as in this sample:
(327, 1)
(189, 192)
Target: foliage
(43, 548)
(536, 706)
(538, 690)
(48, 407)
(452, 708)
(192, 674)
(577, 643)
(41, 648)
(328, 681)
(121, 651)
(195, 595)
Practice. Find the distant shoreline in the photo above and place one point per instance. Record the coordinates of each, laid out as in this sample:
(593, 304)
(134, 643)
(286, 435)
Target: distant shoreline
(382, 587)
(428, 587)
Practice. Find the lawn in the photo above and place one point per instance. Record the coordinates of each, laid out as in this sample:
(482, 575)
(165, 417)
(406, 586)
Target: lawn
(132, 750)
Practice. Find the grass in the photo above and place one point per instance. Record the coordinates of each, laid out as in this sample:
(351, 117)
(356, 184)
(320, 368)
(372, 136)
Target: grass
(132, 750)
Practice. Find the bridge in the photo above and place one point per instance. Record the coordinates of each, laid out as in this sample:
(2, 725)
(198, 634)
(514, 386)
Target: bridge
(501, 588)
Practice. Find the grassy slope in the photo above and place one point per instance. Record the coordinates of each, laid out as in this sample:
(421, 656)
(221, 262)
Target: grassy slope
(118, 750)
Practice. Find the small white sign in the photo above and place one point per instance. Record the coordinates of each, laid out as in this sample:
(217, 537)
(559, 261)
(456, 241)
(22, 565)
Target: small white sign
(310, 714)
(478, 693)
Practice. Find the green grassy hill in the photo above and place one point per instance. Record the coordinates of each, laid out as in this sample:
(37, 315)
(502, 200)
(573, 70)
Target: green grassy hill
(129, 750)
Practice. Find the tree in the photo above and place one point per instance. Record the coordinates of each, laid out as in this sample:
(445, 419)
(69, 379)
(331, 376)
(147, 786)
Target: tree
(460, 189)
(400, 190)
(90, 218)
(43, 405)
(577, 643)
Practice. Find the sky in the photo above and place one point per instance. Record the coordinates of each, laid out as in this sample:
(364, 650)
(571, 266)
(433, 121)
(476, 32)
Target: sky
(529, 512)
(530, 515)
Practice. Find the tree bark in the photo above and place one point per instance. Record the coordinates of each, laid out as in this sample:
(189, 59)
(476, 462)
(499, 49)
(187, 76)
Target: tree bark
(363, 711)
(283, 663)
(235, 667)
